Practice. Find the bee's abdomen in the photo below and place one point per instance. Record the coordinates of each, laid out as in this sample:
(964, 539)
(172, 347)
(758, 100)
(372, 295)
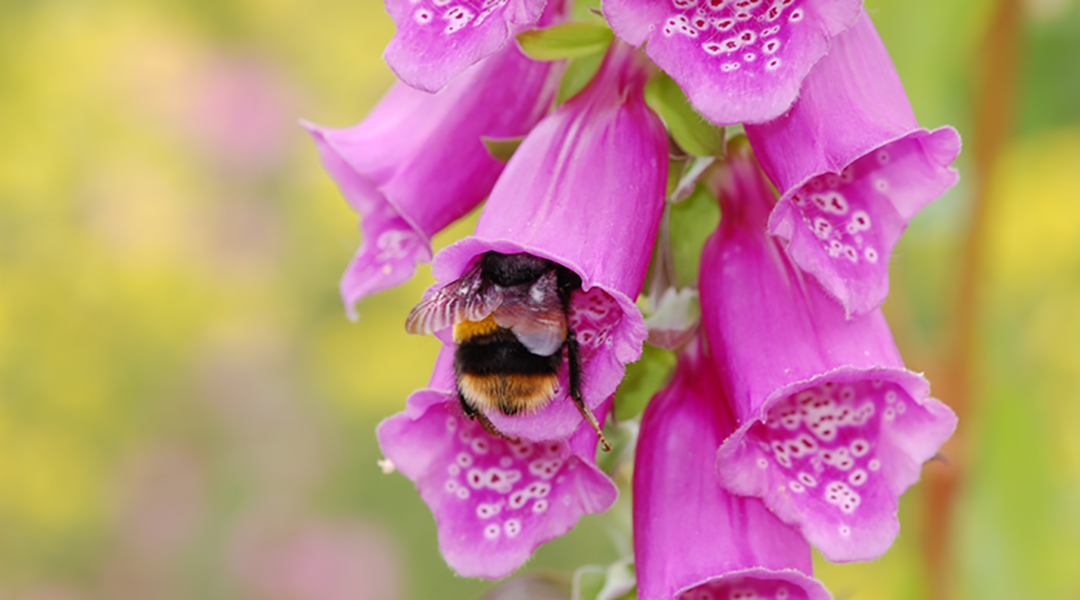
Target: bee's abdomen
(501, 352)
(496, 372)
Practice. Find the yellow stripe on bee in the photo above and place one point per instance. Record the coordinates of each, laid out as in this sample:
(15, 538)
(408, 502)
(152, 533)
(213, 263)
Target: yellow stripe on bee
(466, 330)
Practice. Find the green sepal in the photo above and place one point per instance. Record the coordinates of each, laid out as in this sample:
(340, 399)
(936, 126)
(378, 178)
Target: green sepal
(691, 223)
(693, 132)
(502, 148)
(643, 379)
(617, 581)
(567, 40)
(579, 72)
(676, 166)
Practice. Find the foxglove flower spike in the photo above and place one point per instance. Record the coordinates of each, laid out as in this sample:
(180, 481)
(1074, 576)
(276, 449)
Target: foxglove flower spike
(861, 170)
(692, 539)
(417, 162)
(832, 427)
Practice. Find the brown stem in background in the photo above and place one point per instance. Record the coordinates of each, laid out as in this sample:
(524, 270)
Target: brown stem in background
(994, 108)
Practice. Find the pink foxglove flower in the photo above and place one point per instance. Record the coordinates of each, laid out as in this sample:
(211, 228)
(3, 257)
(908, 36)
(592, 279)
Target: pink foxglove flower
(494, 501)
(739, 61)
(438, 39)
(832, 427)
(692, 539)
(853, 167)
(584, 190)
(417, 163)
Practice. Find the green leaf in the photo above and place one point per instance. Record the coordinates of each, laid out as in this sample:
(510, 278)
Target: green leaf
(692, 222)
(579, 72)
(502, 148)
(643, 379)
(568, 40)
(692, 131)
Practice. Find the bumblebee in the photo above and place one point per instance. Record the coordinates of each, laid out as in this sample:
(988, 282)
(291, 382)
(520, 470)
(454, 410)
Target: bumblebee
(509, 314)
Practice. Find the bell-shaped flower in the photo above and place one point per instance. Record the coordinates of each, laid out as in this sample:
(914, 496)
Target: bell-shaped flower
(832, 427)
(417, 162)
(739, 61)
(438, 39)
(692, 539)
(494, 501)
(584, 190)
(853, 167)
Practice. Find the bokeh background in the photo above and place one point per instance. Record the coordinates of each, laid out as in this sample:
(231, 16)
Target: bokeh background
(186, 413)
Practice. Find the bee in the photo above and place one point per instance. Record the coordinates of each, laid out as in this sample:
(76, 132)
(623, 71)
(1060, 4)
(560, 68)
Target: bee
(509, 314)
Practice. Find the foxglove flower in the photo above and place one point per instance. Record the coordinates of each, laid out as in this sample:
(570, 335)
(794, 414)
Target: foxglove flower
(739, 61)
(832, 427)
(584, 190)
(862, 169)
(494, 501)
(692, 539)
(438, 39)
(417, 162)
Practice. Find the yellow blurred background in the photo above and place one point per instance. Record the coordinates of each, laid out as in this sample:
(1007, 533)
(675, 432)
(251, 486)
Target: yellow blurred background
(185, 411)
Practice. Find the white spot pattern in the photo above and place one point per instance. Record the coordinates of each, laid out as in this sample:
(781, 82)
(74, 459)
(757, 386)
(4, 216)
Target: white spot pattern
(824, 441)
(745, 588)
(456, 14)
(507, 485)
(709, 25)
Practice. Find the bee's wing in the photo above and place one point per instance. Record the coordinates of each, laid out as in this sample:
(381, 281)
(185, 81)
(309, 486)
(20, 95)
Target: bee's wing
(535, 314)
(469, 298)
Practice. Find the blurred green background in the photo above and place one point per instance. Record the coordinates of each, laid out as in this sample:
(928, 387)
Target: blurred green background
(185, 412)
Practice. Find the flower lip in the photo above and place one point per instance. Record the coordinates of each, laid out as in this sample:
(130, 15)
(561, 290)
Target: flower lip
(832, 455)
(738, 61)
(438, 39)
(757, 582)
(494, 501)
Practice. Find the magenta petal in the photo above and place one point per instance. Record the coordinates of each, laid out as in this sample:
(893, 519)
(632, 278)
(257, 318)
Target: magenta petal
(833, 428)
(494, 501)
(438, 39)
(586, 190)
(692, 539)
(417, 162)
(863, 168)
(739, 61)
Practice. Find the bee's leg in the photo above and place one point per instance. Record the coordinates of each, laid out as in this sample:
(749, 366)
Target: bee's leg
(478, 415)
(575, 388)
(490, 428)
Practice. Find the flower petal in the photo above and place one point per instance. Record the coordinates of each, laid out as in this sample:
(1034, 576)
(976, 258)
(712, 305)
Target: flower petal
(595, 169)
(494, 501)
(833, 429)
(863, 168)
(417, 162)
(693, 539)
(438, 39)
(739, 61)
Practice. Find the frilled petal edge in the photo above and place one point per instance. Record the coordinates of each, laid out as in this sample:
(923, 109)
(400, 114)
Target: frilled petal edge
(494, 501)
